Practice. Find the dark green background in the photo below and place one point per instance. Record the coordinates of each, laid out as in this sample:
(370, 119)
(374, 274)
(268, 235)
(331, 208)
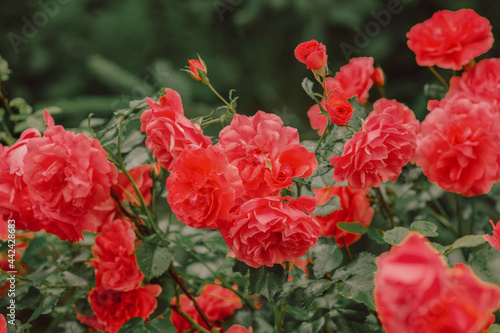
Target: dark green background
(93, 55)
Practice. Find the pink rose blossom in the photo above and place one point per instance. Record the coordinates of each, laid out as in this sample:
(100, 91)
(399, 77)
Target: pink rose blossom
(495, 239)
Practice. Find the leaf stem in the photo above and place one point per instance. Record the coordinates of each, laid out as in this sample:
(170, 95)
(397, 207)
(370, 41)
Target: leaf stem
(386, 206)
(186, 291)
(440, 78)
(229, 106)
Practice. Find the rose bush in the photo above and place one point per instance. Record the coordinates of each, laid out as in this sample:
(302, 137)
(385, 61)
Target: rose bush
(150, 222)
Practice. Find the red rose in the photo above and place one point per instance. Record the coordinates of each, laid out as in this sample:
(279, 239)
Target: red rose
(379, 151)
(254, 143)
(318, 122)
(311, 53)
(495, 239)
(481, 82)
(239, 329)
(459, 146)
(168, 131)
(113, 309)
(355, 207)
(142, 179)
(67, 175)
(120, 274)
(194, 66)
(353, 79)
(268, 231)
(450, 39)
(339, 109)
(203, 186)
(415, 292)
(216, 302)
(14, 194)
(117, 239)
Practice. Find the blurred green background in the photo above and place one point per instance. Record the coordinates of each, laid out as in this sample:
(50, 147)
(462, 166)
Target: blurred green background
(95, 56)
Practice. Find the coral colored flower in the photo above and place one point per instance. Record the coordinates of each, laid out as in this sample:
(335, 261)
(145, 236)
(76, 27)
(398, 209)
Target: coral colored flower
(218, 304)
(318, 122)
(353, 79)
(450, 39)
(339, 109)
(481, 82)
(120, 274)
(415, 291)
(113, 309)
(14, 194)
(239, 329)
(355, 207)
(249, 142)
(168, 131)
(378, 76)
(67, 175)
(203, 186)
(311, 53)
(117, 239)
(459, 146)
(495, 239)
(268, 230)
(3, 325)
(194, 66)
(379, 151)
(142, 179)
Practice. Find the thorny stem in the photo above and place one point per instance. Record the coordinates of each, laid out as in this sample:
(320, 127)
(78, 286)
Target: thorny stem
(387, 208)
(186, 291)
(177, 308)
(127, 213)
(440, 78)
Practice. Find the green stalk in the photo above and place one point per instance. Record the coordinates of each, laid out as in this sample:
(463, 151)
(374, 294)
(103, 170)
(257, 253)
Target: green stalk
(440, 78)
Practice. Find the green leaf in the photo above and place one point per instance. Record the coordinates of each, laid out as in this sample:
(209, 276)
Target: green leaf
(326, 209)
(266, 281)
(495, 328)
(352, 227)
(73, 280)
(215, 243)
(313, 290)
(131, 141)
(467, 241)
(308, 85)
(46, 306)
(312, 327)
(4, 69)
(485, 262)
(355, 280)
(137, 156)
(326, 258)
(396, 235)
(240, 267)
(153, 258)
(20, 104)
(425, 228)
(134, 325)
(160, 325)
(376, 235)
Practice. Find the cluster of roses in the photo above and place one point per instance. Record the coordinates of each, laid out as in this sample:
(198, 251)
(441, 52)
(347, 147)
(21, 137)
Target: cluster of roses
(459, 143)
(416, 291)
(118, 295)
(232, 186)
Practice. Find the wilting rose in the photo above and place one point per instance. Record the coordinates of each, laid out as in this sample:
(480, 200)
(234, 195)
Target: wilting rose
(268, 230)
(450, 39)
(355, 207)
(459, 146)
(67, 175)
(203, 187)
(168, 131)
(311, 53)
